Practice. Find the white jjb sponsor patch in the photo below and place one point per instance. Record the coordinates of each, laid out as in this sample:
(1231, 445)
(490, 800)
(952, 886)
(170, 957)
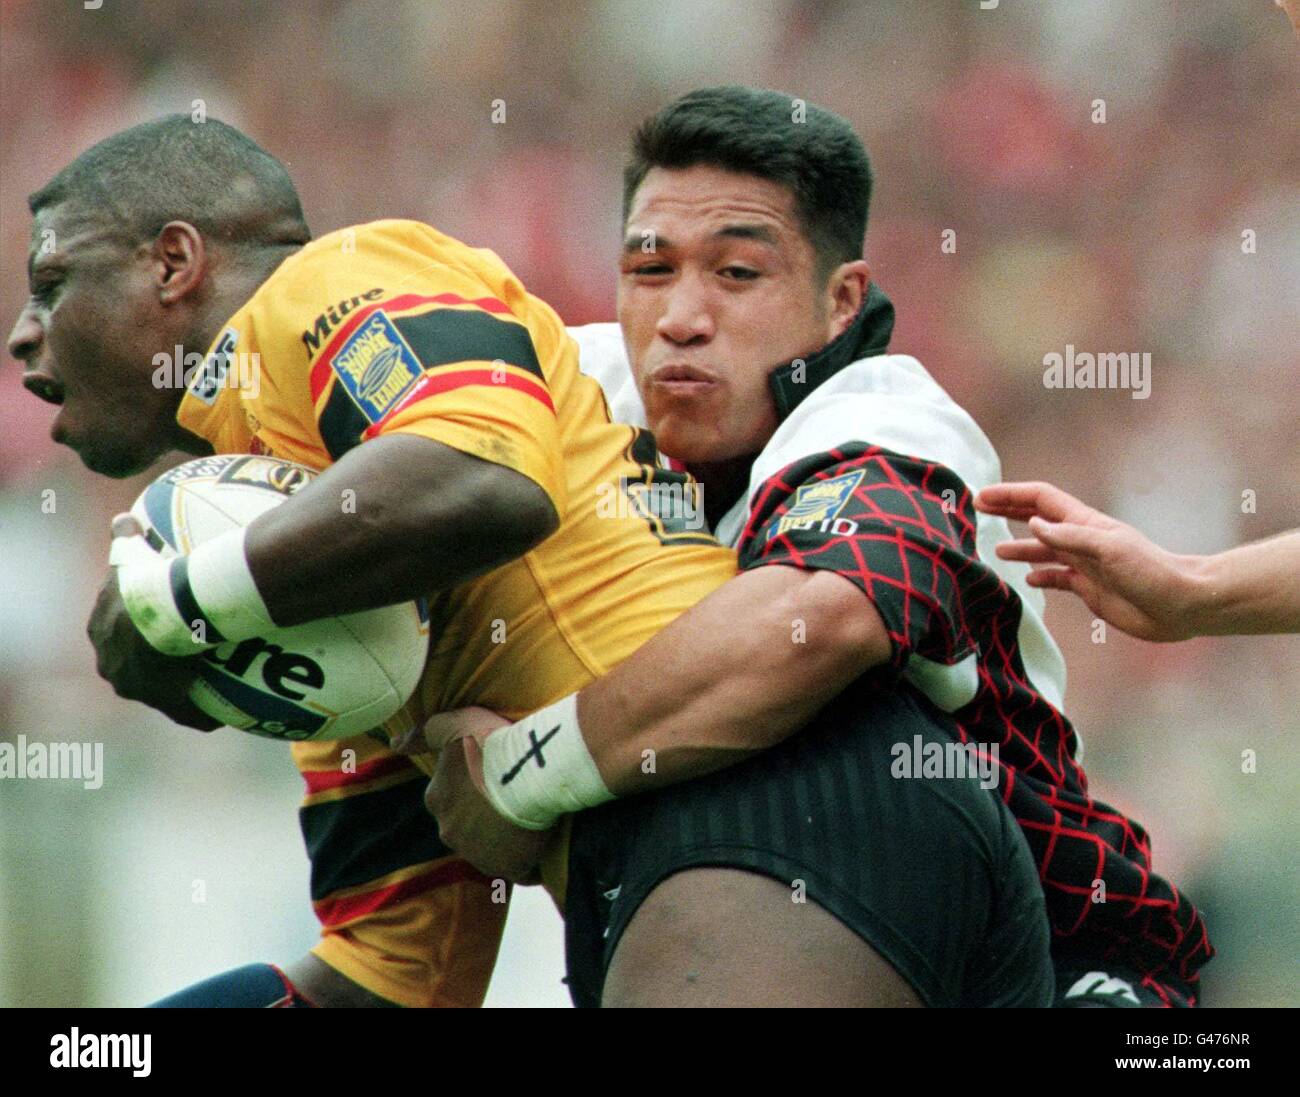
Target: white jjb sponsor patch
(210, 377)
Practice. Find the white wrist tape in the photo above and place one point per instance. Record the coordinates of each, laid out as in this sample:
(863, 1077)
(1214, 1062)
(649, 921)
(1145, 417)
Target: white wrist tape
(190, 603)
(539, 768)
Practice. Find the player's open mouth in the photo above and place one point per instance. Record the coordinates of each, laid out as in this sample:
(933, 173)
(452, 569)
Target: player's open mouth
(44, 387)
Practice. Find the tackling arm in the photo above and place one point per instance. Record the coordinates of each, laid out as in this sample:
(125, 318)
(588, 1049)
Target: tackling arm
(732, 676)
(1251, 589)
(853, 559)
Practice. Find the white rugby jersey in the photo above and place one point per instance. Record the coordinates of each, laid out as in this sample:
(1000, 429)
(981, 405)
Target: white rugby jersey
(891, 401)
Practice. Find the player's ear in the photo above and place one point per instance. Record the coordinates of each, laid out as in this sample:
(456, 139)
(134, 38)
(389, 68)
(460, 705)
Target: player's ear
(178, 261)
(846, 289)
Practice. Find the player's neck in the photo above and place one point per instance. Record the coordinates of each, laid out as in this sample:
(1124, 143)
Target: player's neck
(723, 482)
(238, 281)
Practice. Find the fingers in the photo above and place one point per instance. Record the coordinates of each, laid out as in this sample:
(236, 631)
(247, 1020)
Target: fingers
(1028, 550)
(129, 545)
(1067, 537)
(474, 762)
(435, 733)
(1019, 501)
(171, 699)
(131, 548)
(1054, 579)
(189, 715)
(433, 805)
(443, 727)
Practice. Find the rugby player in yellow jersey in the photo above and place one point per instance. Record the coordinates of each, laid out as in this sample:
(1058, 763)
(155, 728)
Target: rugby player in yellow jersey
(444, 404)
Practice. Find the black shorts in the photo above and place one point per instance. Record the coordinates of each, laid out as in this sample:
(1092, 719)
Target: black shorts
(932, 872)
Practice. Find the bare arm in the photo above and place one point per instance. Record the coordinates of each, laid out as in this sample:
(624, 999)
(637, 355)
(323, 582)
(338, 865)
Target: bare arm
(427, 517)
(873, 568)
(1252, 589)
(1134, 584)
(734, 675)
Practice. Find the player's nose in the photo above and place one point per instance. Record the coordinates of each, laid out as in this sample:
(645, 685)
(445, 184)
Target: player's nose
(25, 337)
(686, 318)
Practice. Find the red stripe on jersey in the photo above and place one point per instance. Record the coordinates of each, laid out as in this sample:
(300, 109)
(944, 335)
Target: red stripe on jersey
(320, 372)
(333, 912)
(321, 780)
(444, 380)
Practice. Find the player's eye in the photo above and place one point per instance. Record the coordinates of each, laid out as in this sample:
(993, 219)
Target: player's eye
(739, 274)
(43, 291)
(651, 269)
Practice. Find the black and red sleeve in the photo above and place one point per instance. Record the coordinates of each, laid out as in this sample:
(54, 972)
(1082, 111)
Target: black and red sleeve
(900, 528)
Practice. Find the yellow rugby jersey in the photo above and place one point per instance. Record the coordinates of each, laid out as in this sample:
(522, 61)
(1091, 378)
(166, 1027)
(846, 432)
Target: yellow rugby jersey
(393, 327)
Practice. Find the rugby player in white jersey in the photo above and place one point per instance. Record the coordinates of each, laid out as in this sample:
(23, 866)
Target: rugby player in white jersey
(871, 614)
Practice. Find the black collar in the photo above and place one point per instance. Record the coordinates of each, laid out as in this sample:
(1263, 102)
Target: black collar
(867, 335)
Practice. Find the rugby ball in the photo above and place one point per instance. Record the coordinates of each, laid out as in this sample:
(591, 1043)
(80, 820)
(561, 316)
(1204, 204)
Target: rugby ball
(326, 679)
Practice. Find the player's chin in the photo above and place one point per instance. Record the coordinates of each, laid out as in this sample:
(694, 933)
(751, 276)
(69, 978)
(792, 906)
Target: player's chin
(115, 461)
(688, 433)
(682, 441)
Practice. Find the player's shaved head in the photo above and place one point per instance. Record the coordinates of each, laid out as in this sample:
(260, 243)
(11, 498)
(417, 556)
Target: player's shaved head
(207, 174)
(147, 242)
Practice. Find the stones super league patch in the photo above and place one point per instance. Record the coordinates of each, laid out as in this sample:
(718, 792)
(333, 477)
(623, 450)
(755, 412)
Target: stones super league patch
(376, 366)
(818, 502)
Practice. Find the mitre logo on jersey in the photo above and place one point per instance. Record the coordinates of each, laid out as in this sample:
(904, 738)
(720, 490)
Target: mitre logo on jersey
(332, 317)
(816, 506)
(376, 366)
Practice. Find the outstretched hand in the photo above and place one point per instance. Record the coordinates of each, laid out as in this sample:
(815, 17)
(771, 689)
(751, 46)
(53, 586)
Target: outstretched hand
(1124, 578)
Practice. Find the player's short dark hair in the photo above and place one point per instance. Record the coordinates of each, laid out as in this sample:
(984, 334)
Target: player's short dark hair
(177, 169)
(752, 131)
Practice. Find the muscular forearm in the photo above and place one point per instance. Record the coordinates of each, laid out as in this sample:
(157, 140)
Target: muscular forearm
(1251, 589)
(735, 675)
(396, 518)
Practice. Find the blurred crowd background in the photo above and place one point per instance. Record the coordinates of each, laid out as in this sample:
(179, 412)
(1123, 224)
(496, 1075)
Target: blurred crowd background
(1172, 227)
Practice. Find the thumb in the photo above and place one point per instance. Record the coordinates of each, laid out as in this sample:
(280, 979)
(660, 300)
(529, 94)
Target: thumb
(432, 735)
(444, 727)
(125, 525)
(129, 545)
